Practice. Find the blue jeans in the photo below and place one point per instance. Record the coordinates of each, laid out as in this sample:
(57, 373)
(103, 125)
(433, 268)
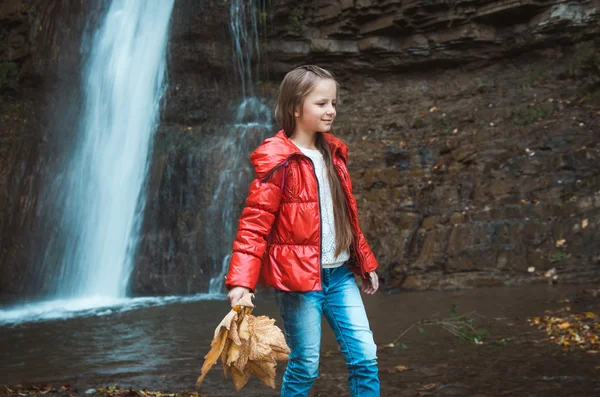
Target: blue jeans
(342, 305)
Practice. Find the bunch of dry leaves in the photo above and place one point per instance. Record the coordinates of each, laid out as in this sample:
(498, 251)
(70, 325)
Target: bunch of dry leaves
(571, 329)
(246, 345)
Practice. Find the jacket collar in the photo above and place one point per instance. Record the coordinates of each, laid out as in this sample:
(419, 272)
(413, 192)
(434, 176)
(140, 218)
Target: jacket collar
(279, 148)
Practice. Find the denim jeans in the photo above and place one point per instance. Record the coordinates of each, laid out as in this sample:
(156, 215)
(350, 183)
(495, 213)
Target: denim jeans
(342, 305)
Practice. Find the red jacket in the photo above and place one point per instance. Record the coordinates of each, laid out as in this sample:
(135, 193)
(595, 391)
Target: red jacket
(279, 232)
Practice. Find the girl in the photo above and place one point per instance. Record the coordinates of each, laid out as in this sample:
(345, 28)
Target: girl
(299, 232)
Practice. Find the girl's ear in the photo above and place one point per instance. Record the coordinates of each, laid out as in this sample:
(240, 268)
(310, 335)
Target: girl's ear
(297, 111)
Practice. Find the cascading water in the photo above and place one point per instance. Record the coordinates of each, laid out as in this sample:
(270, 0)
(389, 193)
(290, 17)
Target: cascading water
(98, 196)
(101, 190)
(123, 83)
(251, 124)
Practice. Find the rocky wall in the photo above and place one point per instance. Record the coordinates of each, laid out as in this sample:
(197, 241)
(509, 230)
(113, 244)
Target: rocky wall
(473, 129)
(472, 126)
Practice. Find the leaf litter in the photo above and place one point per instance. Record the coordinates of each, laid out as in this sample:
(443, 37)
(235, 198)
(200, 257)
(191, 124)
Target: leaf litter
(246, 345)
(570, 330)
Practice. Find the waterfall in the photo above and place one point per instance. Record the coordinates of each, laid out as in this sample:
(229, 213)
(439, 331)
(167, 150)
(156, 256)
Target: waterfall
(102, 187)
(251, 124)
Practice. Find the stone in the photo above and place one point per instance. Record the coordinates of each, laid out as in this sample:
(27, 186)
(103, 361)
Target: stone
(409, 220)
(334, 46)
(290, 47)
(457, 217)
(388, 177)
(380, 44)
(384, 22)
(430, 222)
(434, 245)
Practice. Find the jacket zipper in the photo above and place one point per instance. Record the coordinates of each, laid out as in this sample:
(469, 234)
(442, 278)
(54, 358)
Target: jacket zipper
(320, 222)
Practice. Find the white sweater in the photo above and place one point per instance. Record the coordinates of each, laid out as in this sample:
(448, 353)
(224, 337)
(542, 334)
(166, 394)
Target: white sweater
(328, 258)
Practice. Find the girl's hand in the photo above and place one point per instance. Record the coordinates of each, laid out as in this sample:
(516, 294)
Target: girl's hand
(371, 285)
(237, 293)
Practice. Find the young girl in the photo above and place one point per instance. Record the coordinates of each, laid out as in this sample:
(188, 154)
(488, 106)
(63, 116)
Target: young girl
(299, 231)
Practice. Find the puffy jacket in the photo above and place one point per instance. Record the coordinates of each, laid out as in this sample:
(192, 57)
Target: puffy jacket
(279, 231)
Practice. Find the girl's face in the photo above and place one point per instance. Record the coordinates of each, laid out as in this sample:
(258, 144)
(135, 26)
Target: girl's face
(318, 109)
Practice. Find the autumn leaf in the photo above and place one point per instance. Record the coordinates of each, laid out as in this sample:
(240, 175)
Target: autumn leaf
(268, 334)
(264, 370)
(224, 357)
(212, 356)
(233, 353)
(240, 378)
(246, 345)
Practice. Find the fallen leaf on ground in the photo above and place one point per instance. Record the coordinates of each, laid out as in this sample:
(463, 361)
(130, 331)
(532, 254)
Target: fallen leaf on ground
(580, 330)
(246, 345)
(428, 386)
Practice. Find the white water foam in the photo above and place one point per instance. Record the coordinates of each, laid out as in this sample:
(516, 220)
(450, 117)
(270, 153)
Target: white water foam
(62, 309)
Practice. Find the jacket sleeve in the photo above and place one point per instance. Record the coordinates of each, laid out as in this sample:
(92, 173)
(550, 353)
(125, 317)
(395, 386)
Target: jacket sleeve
(254, 226)
(370, 263)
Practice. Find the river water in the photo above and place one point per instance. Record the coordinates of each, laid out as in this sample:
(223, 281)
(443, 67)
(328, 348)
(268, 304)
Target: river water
(161, 347)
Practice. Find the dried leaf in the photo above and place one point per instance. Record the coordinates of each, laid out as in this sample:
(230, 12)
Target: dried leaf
(279, 356)
(226, 322)
(265, 371)
(240, 378)
(259, 351)
(228, 343)
(225, 367)
(268, 333)
(244, 331)
(212, 356)
(233, 333)
(233, 354)
(246, 344)
(244, 356)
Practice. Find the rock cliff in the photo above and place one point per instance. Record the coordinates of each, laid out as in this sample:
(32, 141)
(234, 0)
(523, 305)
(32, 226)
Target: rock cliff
(472, 126)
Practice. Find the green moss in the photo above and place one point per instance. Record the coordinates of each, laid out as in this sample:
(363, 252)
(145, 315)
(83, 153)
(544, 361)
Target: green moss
(293, 21)
(558, 256)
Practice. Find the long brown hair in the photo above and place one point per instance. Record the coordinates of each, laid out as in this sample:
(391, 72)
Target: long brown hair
(294, 89)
